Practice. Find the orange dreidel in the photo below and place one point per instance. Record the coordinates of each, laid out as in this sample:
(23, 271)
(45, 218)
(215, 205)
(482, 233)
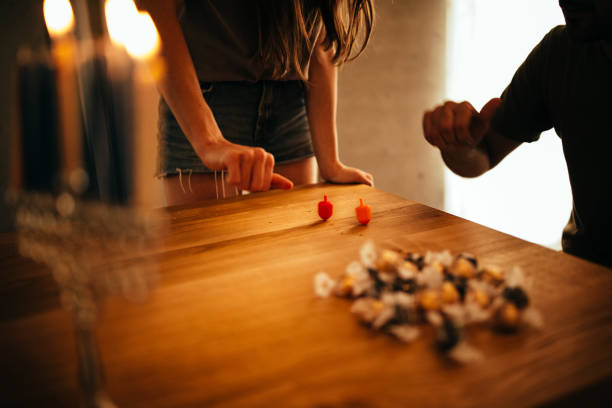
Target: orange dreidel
(326, 209)
(363, 212)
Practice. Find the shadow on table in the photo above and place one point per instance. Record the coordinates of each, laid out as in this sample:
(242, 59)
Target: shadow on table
(595, 395)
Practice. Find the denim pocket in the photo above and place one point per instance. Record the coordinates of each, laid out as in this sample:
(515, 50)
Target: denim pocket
(206, 87)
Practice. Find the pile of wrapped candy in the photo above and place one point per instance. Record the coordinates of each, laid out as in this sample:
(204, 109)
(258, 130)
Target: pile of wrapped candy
(398, 292)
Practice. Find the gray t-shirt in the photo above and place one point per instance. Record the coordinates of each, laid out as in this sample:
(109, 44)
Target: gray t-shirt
(223, 38)
(568, 85)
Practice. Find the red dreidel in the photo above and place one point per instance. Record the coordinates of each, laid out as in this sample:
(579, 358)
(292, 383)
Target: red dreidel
(326, 209)
(363, 212)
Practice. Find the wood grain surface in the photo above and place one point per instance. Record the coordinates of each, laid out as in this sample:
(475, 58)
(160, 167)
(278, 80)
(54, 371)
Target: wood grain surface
(233, 320)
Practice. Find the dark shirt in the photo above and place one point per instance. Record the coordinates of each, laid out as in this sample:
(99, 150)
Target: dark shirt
(568, 85)
(223, 38)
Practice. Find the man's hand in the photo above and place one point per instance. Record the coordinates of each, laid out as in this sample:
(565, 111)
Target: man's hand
(248, 168)
(466, 141)
(458, 124)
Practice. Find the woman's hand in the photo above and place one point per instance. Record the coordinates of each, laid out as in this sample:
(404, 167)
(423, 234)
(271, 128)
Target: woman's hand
(342, 174)
(248, 168)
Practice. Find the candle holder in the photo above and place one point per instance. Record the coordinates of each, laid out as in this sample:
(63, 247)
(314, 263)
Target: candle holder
(94, 250)
(83, 177)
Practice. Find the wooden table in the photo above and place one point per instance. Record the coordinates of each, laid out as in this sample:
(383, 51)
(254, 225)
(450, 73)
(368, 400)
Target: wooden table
(234, 321)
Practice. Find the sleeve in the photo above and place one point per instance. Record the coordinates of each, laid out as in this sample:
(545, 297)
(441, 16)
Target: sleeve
(523, 113)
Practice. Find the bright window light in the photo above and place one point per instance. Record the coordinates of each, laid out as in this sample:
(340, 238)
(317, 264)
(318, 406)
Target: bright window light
(528, 194)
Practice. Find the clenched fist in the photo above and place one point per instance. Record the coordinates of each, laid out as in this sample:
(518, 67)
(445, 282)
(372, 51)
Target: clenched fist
(458, 124)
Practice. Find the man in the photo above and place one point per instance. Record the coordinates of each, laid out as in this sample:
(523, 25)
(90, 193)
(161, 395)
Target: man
(565, 83)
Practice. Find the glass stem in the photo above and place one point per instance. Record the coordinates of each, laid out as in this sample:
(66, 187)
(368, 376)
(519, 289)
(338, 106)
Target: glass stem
(91, 372)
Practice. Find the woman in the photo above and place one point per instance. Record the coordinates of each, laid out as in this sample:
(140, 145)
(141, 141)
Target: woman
(251, 88)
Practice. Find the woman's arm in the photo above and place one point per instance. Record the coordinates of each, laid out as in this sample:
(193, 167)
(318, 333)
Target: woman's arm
(248, 168)
(321, 102)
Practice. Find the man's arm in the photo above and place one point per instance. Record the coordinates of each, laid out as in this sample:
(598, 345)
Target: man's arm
(474, 142)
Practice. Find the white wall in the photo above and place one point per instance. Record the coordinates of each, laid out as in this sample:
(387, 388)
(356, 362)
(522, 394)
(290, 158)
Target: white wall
(382, 96)
(528, 194)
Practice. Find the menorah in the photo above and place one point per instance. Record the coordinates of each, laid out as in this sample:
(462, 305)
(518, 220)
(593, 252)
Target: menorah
(83, 172)
(94, 250)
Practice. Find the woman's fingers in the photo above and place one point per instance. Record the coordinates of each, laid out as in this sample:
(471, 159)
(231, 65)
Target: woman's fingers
(280, 182)
(348, 175)
(246, 169)
(252, 169)
(233, 168)
(258, 170)
(366, 178)
(268, 171)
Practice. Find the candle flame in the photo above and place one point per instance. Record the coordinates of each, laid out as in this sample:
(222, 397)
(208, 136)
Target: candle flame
(120, 16)
(59, 17)
(132, 29)
(143, 42)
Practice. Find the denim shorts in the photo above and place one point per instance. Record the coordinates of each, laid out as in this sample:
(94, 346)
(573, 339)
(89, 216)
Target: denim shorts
(267, 114)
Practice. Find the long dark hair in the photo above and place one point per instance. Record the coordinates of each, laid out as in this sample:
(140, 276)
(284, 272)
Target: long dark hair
(289, 29)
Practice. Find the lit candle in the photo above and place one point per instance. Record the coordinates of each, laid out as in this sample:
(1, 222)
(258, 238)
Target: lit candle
(123, 100)
(36, 132)
(120, 16)
(119, 187)
(59, 19)
(143, 45)
(95, 95)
